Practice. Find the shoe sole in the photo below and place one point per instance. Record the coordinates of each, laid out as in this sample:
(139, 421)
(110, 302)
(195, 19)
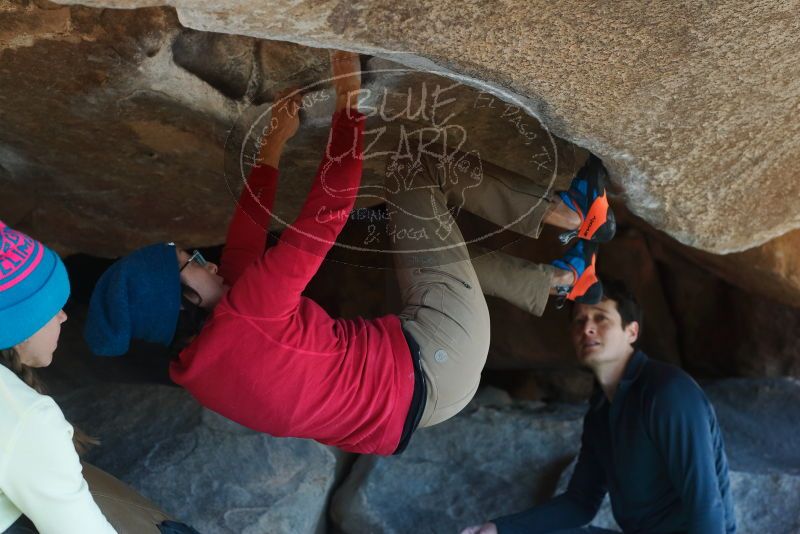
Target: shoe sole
(585, 284)
(599, 225)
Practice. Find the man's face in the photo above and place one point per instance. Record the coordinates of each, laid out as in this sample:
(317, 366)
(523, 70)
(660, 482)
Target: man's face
(597, 333)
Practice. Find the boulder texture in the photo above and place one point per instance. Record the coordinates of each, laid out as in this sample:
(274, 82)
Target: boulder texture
(494, 457)
(693, 108)
(100, 146)
(123, 127)
(500, 457)
(201, 468)
(722, 330)
(772, 269)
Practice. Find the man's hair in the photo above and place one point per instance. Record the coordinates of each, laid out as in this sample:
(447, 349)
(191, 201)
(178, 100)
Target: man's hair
(627, 305)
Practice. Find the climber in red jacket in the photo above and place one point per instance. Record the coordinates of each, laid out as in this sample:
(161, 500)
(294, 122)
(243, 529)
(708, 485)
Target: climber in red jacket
(275, 361)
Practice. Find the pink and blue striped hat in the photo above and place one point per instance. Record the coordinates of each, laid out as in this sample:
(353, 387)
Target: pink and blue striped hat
(33, 286)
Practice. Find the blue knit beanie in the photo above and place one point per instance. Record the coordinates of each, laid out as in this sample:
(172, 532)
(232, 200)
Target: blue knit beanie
(138, 297)
(33, 286)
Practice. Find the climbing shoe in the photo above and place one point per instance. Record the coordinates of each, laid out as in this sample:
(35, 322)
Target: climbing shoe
(587, 288)
(588, 198)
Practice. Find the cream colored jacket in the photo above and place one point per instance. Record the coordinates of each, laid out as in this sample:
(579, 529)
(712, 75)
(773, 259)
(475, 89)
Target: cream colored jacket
(40, 473)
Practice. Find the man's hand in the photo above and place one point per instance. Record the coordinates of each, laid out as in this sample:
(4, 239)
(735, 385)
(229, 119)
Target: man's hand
(486, 528)
(346, 74)
(283, 125)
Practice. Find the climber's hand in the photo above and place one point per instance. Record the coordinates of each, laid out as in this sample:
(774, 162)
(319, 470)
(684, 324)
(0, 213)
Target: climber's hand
(283, 124)
(346, 78)
(285, 114)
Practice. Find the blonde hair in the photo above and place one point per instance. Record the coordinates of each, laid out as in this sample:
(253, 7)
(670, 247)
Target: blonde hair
(10, 358)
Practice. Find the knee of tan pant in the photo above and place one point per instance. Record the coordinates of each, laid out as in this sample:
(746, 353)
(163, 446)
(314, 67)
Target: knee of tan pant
(471, 375)
(475, 346)
(480, 323)
(442, 411)
(471, 313)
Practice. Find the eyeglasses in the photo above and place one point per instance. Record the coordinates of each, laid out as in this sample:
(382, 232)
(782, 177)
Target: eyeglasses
(195, 257)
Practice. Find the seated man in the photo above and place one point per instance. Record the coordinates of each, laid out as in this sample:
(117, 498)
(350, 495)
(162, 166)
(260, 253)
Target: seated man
(650, 438)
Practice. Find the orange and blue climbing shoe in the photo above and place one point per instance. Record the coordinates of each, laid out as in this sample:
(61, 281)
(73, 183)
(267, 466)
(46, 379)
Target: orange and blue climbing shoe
(587, 288)
(587, 196)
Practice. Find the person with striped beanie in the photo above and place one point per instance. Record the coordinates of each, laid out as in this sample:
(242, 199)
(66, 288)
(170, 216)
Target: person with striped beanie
(43, 485)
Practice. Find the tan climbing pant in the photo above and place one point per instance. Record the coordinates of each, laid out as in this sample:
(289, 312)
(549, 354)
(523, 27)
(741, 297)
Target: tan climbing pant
(442, 291)
(126, 510)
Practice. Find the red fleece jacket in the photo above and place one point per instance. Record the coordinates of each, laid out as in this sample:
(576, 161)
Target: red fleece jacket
(274, 360)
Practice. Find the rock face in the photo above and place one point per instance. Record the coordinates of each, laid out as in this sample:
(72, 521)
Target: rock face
(694, 110)
(722, 330)
(201, 468)
(773, 269)
(96, 132)
(122, 128)
(492, 460)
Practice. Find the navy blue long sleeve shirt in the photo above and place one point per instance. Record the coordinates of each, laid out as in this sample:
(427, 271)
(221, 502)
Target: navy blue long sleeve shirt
(656, 449)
